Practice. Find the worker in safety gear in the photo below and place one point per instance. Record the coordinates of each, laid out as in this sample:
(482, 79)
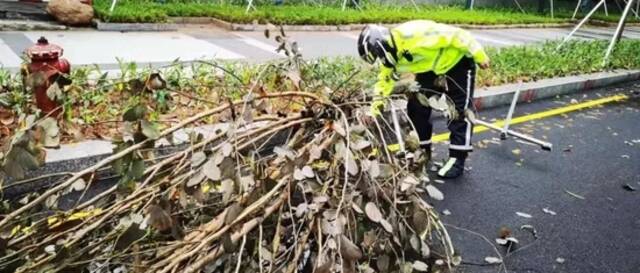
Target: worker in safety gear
(433, 52)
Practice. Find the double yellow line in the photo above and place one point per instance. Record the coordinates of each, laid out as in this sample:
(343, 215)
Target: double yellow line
(541, 115)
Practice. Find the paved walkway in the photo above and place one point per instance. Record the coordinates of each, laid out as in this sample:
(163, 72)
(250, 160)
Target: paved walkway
(88, 47)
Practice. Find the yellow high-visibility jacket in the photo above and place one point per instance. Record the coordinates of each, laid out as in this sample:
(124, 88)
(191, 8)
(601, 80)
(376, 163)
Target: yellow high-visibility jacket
(432, 46)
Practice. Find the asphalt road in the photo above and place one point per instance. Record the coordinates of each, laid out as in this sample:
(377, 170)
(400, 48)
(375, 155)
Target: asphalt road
(594, 157)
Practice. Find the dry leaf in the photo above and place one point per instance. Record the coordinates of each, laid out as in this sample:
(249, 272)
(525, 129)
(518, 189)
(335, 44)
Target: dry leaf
(338, 128)
(374, 169)
(435, 193)
(360, 144)
(50, 249)
(493, 260)
(373, 212)
(408, 182)
(301, 209)
(575, 195)
(548, 211)
(79, 185)
(386, 225)
(196, 179)
(286, 152)
(512, 240)
(226, 149)
(227, 188)
(307, 172)
(383, 263)
(211, 170)
(352, 166)
(349, 250)
(331, 226)
(315, 153)
(298, 175)
(356, 208)
(197, 159)
(420, 266)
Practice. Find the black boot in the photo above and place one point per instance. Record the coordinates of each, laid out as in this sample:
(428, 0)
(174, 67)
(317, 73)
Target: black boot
(454, 167)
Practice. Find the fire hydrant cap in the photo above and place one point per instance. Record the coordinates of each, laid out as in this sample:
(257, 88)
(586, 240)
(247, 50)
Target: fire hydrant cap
(44, 50)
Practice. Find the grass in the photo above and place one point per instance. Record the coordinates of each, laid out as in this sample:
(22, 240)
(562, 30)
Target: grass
(529, 63)
(532, 62)
(148, 11)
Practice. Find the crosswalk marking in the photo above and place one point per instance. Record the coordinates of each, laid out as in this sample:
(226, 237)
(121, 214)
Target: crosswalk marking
(7, 57)
(89, 47)
(257, 43)
(349, 35)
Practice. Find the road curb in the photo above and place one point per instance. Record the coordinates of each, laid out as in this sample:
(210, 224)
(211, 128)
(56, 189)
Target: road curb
(105, 26)
(349, 27)
(501, 95)
(358, 27)
(484, 98)
(176, 22)
(24, 25)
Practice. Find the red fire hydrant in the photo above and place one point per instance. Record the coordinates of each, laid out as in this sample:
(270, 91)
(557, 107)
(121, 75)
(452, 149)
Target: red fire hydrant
(47, 67)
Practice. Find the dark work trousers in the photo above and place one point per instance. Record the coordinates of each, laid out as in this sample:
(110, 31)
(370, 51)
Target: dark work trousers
(459, 79)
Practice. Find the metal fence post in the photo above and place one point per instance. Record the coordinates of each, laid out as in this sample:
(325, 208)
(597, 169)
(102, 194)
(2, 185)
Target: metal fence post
(469, 5)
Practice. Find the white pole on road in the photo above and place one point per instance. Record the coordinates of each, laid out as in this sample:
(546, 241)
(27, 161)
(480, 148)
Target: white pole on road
(584, 20)
(576, 10)
(249, 6)
(512, 108)
(113, 6)
(635, 11)
(618, 33)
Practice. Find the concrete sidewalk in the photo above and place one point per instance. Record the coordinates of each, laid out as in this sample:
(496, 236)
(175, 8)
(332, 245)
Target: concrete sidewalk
(89, 47)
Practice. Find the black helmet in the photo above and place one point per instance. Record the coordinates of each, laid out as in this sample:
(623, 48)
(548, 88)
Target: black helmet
(377, 42)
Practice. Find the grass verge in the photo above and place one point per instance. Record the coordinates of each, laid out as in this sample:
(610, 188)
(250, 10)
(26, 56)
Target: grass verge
(530, 63)
(148, 11)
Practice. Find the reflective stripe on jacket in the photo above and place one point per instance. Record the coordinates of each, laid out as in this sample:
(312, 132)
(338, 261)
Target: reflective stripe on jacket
(431, 47)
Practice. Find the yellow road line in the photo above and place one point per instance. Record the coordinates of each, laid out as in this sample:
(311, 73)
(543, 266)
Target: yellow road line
(540, 115)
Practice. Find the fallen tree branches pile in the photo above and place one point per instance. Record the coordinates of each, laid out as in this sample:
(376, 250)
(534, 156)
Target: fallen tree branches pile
(328, 197)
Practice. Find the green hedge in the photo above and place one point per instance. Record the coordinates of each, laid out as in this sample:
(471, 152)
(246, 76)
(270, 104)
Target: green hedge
(149, 11)
(528, 63)
(536, 62)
